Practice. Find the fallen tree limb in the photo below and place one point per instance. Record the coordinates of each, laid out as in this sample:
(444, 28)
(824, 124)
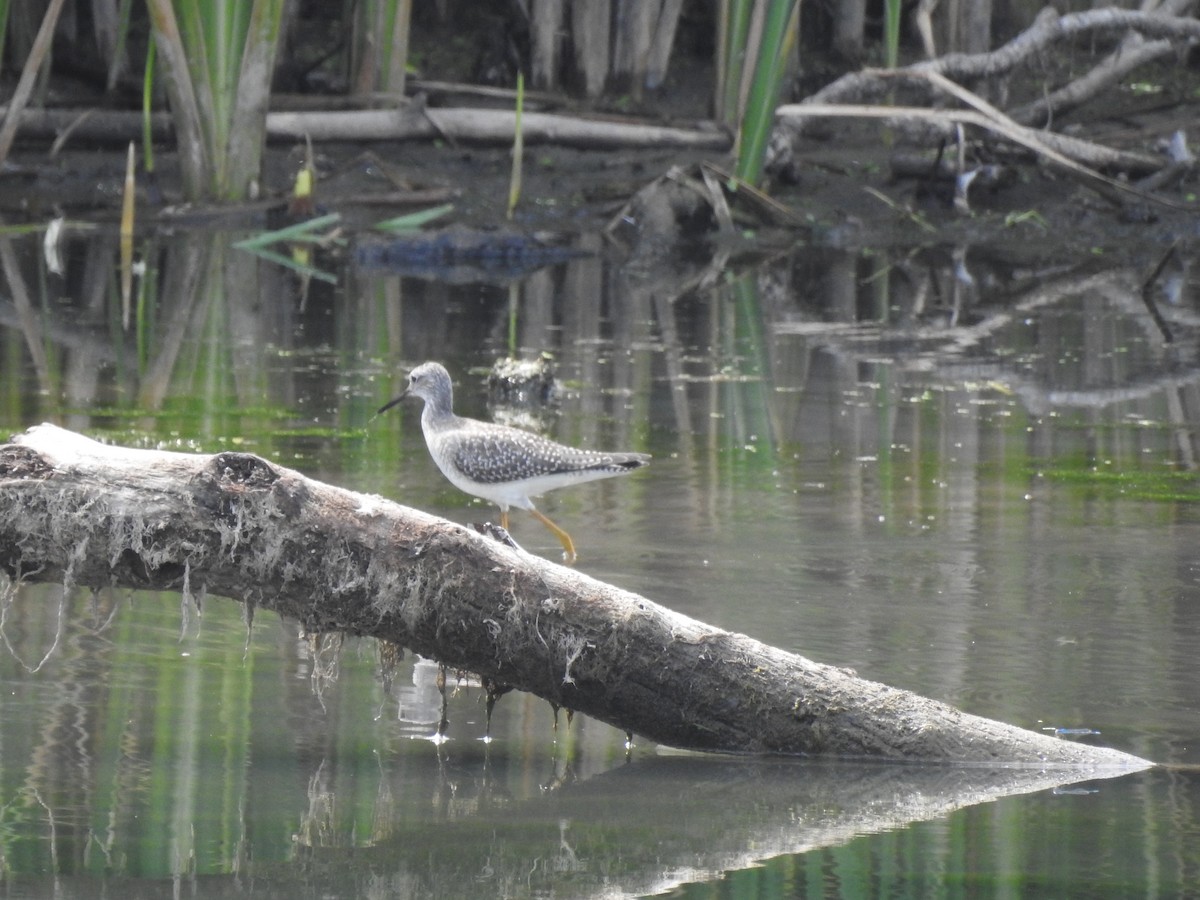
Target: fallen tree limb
(1133, 53)
(1168, 29)
(1067, 153)
(486, 126)
(77, 512)
(1048, 29)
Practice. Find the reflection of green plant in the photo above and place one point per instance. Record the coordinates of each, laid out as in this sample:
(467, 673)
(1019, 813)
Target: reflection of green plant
(305, 232)
(414, 220)
(302, 235)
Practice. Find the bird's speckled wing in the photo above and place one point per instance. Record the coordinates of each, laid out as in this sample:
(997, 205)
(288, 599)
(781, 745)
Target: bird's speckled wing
(497, 454)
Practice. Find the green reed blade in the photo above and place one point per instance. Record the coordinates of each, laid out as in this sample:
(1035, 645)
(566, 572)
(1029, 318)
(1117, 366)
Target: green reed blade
(764, 90)
(414, 220)
(298, 232)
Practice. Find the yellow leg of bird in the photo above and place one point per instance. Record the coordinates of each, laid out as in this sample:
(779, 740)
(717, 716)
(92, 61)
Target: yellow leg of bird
(563, 537)
(504, 519)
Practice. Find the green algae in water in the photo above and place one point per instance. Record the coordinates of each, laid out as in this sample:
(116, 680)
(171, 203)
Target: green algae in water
(1159, 485)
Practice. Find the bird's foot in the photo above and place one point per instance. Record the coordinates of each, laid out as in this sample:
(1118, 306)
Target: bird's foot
(498, 533)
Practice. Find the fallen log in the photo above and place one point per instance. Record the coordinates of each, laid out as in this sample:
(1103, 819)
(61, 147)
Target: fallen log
(483, 126)
(78, 512)
(494, 126)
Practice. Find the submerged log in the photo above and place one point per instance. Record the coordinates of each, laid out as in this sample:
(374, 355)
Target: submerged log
(82, 513)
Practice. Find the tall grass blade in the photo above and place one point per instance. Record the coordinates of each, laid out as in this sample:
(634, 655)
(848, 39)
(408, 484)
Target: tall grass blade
(734, 27)
(218, 59)
(148, 110)
(127, 209)
(29, 73)
(194, 156)
(242, 154)
(5, 8)
(395, 65)
(518, 151)
(891, 33)
(117, 63)
(778, 34)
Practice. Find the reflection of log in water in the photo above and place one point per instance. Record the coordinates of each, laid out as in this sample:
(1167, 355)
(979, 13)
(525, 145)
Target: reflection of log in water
(76, 511)
(706, 817)
(933, 343)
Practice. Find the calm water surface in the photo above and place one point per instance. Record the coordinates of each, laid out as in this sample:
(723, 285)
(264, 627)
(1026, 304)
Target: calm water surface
(973, 480)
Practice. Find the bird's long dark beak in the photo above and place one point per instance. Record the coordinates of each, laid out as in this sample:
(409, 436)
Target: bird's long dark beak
(390, 404)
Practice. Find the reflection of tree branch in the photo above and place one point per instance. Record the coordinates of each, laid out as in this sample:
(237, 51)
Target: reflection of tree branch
(1148, 288)
(945, 340)
(945, 347)
(1039, 398)
(31, 326)
(64, 335)
(183, 288)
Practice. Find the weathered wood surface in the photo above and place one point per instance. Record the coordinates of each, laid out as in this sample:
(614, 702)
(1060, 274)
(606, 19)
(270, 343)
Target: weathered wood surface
(75, 511)
(487, 126)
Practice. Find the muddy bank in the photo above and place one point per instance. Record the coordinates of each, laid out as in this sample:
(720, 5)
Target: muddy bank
(844, 192)
(846, 183)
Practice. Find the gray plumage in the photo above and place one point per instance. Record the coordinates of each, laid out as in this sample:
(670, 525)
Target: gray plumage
(505, 465)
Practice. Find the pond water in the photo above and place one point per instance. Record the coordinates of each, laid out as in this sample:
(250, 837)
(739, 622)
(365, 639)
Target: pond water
(964, 475)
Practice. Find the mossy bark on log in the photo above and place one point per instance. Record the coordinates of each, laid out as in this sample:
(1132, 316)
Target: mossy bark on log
(82, 513)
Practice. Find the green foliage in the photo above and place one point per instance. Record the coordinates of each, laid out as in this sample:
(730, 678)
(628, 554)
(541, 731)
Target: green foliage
(734, 29)
(148, 110)
(769, 65)
(414, 220)
(891, 33)
(518, 151)
(379, 51)
(305, 231)
(310, 232)
(4, 11)
(1028, 216)
(217, 60)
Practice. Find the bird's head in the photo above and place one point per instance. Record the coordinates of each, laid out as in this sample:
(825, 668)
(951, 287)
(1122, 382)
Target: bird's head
(431, 382)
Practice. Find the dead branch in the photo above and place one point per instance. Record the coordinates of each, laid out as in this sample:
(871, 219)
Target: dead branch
(1133, 53)
(77, 512)
(1069, 154)
(1047, 30)
(1165, 27)
(487, 126)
